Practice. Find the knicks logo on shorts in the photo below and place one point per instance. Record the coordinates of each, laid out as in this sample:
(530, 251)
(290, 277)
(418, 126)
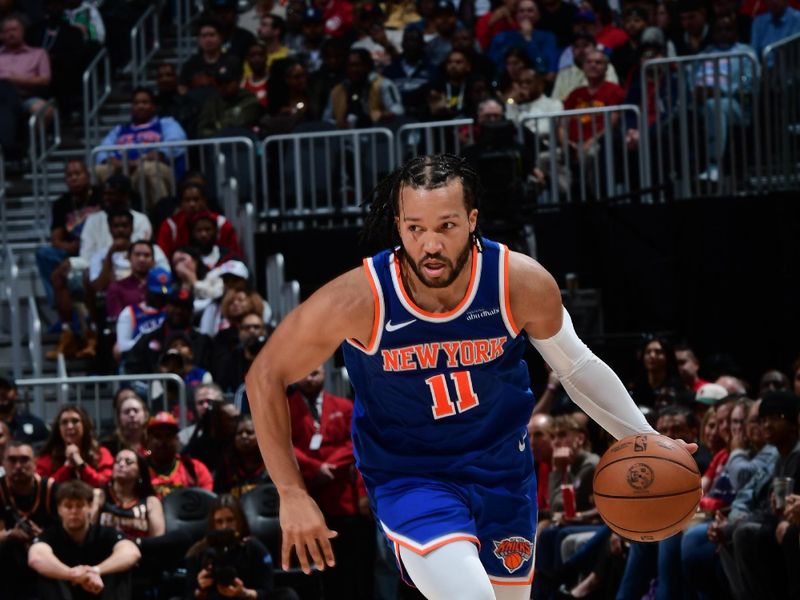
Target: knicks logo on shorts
(514, 552)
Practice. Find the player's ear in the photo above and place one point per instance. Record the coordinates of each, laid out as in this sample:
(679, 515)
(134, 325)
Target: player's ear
(472, 218)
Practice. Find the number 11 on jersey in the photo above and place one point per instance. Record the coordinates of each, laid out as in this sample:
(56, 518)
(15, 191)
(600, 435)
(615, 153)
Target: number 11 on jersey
(443, 406)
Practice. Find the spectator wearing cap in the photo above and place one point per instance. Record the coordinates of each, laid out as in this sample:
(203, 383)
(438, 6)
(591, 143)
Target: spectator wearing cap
(371, 36)
(707, 396)
(77, 559)
(720, 85)
(198, 70)
(501, 18)
(312, 39)
(754, 562)
(411, 72)
(235, 40)
(174, 231)
(539, 45)
(364, 97)
(131, 289)
(271, 31)
(231, 108)
(169, 470)
(67, 278)
(445, 20)
(573, 77)
(139, 318)
(22, 425)
(779, 22)
(557, 18)
(145, 354)
(695, 31)
(148, 169)
(234, 275)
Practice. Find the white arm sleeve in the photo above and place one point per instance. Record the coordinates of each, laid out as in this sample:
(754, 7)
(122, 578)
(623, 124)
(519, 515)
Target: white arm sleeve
(591, 383)
(125, 339)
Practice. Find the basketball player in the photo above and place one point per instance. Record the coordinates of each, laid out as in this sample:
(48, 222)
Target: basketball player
(434, 331)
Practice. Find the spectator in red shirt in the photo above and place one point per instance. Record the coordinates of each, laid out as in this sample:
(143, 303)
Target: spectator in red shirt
(501, 18)
(324, 451)
(596, 94)
(174, 231)
(72, 452)
(689, 367)
(169, 470)
(607, 34)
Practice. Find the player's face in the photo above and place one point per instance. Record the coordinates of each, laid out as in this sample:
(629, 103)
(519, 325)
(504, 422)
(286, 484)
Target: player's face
(435, 230)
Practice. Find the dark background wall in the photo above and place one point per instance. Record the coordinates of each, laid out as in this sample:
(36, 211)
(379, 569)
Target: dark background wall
(721, 273)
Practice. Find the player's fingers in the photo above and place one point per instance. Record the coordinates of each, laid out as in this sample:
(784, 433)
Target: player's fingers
(314, 550)
(286, 552)
(327, 548)
(302, 556)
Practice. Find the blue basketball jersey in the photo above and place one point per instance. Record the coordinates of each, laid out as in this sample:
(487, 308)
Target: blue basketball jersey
(443, 395)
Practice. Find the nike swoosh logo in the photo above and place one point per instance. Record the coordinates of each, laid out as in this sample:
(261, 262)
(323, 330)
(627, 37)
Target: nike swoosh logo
(390, 327)
(521, 443)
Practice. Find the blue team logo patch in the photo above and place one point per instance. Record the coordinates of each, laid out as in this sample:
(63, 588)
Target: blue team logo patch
(514, 552)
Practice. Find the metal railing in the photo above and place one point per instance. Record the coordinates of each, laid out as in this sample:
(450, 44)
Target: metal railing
(74, 389)
(283, 296)
(3, 221)
(701, 139)
(584, 153)
(96, 89)
(781, 114)
(12, 297)
(145, 43)
(242, 217)
(44, 131)
(35, 350)
(202, 155)
(433, 137)
(186, 13)
(321, 176)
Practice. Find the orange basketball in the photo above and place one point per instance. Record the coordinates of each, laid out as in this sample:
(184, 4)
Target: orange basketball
(647, 487)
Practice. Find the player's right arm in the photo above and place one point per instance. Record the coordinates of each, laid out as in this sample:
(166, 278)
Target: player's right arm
(304, 340)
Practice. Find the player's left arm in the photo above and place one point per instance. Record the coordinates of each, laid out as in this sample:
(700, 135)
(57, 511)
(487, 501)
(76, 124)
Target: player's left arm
(536, 308)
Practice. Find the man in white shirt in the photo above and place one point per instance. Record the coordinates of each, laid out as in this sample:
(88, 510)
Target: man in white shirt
(530, 101)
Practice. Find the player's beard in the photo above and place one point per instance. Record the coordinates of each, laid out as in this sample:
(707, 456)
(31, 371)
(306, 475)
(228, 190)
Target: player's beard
(452, 271)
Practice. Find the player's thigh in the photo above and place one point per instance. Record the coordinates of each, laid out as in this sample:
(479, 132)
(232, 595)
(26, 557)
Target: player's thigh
(512, 592)
(451, 571)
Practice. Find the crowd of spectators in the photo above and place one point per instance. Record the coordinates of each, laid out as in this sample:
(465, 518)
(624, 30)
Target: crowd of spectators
(166, 289)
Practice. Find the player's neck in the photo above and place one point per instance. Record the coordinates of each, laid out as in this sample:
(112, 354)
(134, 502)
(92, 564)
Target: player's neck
(437, 300)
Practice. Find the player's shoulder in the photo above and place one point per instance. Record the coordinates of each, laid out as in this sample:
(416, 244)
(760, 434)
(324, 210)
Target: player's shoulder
(534, 295)
(344, 304)
(528, 273)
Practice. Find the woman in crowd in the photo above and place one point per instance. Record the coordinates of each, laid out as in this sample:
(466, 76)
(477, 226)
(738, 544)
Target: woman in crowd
(131, 415)
(289, 100)
(128, 502)
(242, 469)
(72, 452)
(238, 303)
(658, 370)
(192, 274)
(516, 61)
(253, 571)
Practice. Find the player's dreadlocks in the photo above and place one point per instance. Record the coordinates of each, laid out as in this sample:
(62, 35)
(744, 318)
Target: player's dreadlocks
(423, 172)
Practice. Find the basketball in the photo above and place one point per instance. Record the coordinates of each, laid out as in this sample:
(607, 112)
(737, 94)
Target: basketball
(647, 487)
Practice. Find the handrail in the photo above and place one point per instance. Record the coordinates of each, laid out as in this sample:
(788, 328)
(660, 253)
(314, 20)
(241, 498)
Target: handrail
(12, 296)
(175, 150)
(689, 122)
(39, 151)
(140, 41)
(96, 380)
(35, 351)
(95, 93)
(186, 12)
(768, 50)
(428, 128)
(3, 221)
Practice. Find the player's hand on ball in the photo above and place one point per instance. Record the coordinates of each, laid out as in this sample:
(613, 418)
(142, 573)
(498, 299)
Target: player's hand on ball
(305, 531)
(691, 448)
